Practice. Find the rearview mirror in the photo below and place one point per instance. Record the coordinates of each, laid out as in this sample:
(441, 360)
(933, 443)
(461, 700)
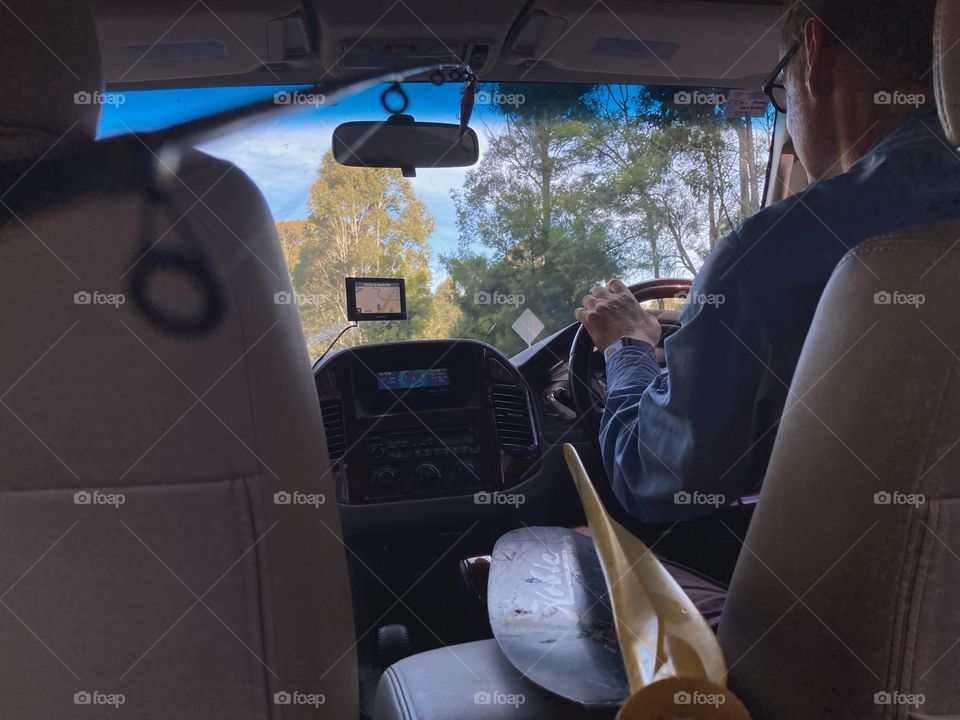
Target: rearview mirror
(401, 142)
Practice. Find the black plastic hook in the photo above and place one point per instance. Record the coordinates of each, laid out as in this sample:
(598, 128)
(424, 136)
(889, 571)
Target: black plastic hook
(397, 90)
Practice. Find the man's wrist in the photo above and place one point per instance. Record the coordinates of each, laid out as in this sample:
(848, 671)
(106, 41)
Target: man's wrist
(626, 341)
(632, 368)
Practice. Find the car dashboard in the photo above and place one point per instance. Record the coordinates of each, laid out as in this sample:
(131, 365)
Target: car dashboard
(426, 419)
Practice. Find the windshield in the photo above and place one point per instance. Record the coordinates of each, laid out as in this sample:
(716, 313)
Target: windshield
(575, 184)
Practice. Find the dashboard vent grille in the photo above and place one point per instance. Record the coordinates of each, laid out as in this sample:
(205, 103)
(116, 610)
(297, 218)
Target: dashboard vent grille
(513, 418)
(332, 412)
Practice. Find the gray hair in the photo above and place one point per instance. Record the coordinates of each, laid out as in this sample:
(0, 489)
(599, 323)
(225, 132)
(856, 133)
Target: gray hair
(892, 38)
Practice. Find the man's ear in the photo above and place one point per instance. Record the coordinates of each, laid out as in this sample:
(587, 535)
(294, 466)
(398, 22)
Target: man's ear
(816, 76)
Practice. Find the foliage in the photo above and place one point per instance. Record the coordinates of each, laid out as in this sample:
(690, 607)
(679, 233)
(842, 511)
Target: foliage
(542, 244)
(582, 183)
(578, 184)
(362, 223)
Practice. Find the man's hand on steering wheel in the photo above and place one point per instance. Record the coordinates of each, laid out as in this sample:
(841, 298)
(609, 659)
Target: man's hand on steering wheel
(612, 312)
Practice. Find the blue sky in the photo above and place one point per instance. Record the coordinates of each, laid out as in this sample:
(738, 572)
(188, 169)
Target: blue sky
(282, 155)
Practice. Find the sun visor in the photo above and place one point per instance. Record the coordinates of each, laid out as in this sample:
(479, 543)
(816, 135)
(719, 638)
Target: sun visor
(194, 40)
(715, 43)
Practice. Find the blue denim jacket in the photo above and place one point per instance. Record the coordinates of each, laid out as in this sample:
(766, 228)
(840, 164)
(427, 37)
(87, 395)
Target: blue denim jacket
(678, 443)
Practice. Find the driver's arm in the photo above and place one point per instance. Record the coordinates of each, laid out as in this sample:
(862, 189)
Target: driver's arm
(677, 443)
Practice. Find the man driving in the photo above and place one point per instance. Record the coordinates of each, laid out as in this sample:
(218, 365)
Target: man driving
(855, 80)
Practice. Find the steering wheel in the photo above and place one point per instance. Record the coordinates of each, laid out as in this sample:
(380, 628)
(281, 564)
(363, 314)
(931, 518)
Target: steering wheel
(586, 367)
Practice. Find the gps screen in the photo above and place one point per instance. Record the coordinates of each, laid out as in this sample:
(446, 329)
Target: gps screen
(376, 299)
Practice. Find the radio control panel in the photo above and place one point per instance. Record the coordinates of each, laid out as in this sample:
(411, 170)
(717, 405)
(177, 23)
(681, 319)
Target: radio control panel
(418, 461)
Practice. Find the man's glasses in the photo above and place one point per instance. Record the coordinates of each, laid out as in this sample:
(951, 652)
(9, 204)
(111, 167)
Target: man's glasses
(773, 87)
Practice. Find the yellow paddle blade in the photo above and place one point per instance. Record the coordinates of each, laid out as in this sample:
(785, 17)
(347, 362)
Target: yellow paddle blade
(686, 698)
(662, 634)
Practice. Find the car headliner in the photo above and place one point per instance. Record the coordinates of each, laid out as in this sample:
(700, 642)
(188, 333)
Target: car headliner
(197, 43)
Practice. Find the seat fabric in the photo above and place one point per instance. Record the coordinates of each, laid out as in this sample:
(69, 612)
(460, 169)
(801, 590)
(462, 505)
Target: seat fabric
(169, 536)
(843, 605)
(471, 681)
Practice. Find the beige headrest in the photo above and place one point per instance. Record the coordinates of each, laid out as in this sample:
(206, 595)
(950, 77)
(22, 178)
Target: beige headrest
(49, 68)
(947, 51)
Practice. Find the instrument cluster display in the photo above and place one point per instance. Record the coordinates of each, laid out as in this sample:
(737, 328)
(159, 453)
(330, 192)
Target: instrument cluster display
(394, 380)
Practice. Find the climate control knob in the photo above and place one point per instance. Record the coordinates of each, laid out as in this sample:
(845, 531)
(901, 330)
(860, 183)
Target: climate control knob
(385, 477)
(427, 474)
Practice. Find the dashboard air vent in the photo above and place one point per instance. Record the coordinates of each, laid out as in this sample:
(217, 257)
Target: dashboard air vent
(332, 412)
(513, 417)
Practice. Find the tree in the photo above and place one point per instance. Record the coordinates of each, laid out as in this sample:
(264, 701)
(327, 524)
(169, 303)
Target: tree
(630, 157)
(446, 309)
(293, 237)
(579, 183)
(529, 238)
(719, 162)
(363, 222)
